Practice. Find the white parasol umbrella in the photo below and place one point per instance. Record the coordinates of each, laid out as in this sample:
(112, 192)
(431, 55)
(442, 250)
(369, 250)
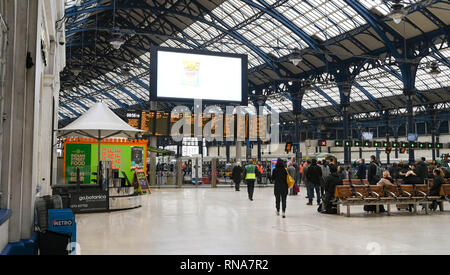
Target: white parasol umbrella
(99, 122)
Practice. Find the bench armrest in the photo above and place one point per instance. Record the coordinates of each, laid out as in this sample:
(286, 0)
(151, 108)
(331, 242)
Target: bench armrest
(423, 193)
(407, 193)
(359, 194)
(392, 194)
(376, 194)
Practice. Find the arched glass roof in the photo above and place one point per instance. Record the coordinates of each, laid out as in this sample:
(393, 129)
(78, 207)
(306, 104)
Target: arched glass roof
(267, 31)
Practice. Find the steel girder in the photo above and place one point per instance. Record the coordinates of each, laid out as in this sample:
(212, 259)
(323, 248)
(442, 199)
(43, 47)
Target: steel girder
(144, 86)
(214, 23)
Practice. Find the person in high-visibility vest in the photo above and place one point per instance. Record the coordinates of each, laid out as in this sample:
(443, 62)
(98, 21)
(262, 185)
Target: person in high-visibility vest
(250, 177)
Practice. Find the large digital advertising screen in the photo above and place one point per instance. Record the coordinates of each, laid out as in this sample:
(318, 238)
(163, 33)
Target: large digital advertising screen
(185, 75)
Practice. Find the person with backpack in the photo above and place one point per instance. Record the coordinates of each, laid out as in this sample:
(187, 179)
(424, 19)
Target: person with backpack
(314, 178)
(374, 175)
(279, 178)
(375, 172)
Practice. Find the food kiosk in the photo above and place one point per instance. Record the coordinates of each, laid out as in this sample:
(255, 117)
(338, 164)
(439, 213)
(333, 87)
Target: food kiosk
(102, 172)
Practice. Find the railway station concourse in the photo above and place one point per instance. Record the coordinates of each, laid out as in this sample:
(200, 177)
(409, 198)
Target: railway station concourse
(224, 127)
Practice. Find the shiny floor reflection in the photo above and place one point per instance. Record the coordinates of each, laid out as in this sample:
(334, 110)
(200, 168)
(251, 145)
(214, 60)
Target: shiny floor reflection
(222, 221)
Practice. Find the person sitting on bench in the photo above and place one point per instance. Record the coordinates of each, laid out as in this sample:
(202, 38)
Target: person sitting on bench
(412, 178)
(386, 180)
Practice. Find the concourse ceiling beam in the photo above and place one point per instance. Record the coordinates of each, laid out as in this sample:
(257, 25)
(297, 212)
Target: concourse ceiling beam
(223, 27)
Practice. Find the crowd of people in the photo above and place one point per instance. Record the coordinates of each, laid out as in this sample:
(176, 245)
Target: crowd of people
(322, 177)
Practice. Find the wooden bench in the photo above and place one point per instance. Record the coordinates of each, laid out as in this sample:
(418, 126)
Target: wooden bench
(444, 196)
(356, 181)
(351, 195)
(359, 194)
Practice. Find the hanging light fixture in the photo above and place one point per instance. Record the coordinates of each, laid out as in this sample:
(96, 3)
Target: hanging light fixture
(296, 57)
(434, 68)
(398, 12)
(77, 70)
(117, 41)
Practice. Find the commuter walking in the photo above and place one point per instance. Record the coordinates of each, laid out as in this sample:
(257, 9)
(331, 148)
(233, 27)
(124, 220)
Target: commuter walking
(291, 171)
(305, 181)
(279, 178)
(250, 177)
(314, 177)
(259, 172)
(236, 175)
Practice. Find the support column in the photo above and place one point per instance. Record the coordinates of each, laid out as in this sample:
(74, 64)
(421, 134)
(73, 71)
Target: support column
(227, 150)
(297, 92)
(411, 126)
(200, 146)
(238, 151)
(434, 129)
(396, 140)
(152, 173)
(386, 117)
(22, 117)
(214, 173)
(46, 144)
(345, 104)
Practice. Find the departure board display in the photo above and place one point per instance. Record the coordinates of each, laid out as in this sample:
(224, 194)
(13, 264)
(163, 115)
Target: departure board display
(228, 126)
(253, 127)
(222, 126)
(162, 124)
(134, 119)
(189, 124)
(217, 126)
(241, 132)
(148, 122)
(173, 120)
(262, 127)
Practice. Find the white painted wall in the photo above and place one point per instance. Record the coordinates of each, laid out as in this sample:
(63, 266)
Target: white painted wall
(4, 235)
(36, 86)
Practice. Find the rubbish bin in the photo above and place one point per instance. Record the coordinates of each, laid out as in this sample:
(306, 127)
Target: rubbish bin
(52, 243)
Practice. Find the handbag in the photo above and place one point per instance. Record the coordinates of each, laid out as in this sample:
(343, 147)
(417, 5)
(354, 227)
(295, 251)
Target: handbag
(290, 180)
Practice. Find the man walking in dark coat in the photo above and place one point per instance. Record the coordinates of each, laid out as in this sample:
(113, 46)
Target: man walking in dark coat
(236, 175)
(314, 177)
